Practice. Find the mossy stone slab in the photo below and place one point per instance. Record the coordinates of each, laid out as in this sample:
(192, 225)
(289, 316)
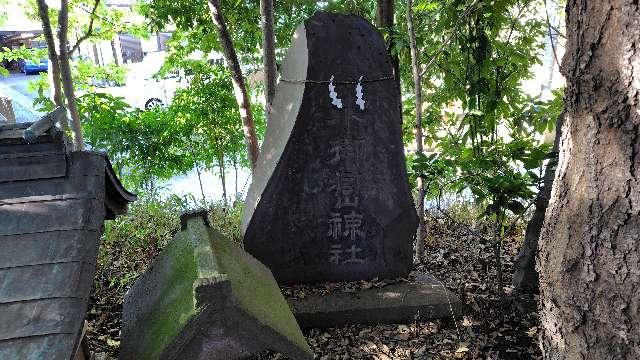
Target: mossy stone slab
(203, 297)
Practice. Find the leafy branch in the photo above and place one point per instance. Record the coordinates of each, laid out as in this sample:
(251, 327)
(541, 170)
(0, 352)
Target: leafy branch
(89, 32)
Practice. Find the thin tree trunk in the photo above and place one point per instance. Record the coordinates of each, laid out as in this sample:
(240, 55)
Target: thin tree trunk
(223, 178)
(385, 10)
(204, 198)
(237, 78)
(268, 54)
(589, 260)
(54, 70)
(525, 276)
(67, 85)
(417, 89)
(235, 170)
(65, 75)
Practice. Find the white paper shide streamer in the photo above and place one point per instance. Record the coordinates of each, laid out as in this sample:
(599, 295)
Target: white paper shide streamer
(359, 94)
(334, 95)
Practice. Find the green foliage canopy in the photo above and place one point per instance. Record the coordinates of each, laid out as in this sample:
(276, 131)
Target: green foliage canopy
(209, 117)
(478, 121)
(200, 126)
(144, 146)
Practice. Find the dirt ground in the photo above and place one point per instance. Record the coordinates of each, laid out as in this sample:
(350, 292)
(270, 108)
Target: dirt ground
(491, 327)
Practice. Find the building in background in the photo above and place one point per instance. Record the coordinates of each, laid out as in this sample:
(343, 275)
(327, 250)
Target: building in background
(18, 30)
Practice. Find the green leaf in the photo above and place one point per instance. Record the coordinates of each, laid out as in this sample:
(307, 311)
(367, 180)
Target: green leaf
(515, 207)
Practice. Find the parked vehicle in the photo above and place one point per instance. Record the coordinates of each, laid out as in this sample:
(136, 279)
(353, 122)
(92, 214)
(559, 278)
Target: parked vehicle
(30, 67)
(147, 92)
(143, 88)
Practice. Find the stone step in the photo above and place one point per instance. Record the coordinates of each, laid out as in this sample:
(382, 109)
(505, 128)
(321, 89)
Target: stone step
(423, 299)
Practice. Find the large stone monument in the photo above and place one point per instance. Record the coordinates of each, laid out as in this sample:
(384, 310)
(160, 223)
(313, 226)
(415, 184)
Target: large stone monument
(53, 203)
(205, 298)
(330, 198)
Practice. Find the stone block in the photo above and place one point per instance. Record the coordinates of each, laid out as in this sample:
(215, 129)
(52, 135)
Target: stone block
(203, 297)
(400, 303)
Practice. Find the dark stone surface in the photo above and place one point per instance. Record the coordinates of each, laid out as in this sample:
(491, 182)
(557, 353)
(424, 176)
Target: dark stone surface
(403, 302)
(52, 207)
(336, 204)
(203, 297)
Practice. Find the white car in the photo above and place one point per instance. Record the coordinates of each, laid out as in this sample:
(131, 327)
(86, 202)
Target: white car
(145, 91)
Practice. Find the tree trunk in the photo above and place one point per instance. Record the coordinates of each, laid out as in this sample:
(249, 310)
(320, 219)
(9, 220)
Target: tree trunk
(67, 85)
(268, 54)
(589, 261)
(417, 88)
(223, 178)
(237, 78)
(525, 276)
(384, 13)
(204, 198)
(235, 170)
(54, 70)
(65, 75)
(385, 10)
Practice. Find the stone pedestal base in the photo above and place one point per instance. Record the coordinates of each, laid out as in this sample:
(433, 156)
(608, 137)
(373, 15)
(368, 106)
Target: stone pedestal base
(425, 298)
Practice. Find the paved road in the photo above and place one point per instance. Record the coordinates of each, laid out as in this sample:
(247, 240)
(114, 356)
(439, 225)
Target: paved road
(15, 87)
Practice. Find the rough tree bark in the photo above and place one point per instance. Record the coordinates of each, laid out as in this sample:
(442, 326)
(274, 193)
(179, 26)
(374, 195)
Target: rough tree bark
(268, 54)
(417, 88)
(589, 261)
(525, 276)
(239, 88)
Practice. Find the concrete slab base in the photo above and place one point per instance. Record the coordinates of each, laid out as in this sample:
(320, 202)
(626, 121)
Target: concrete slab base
(421, 299)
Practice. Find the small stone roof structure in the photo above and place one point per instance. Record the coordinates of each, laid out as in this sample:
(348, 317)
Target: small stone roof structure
(203, 297)
(53, 203)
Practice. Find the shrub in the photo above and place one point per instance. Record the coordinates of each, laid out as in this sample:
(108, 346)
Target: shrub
(130, 242)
